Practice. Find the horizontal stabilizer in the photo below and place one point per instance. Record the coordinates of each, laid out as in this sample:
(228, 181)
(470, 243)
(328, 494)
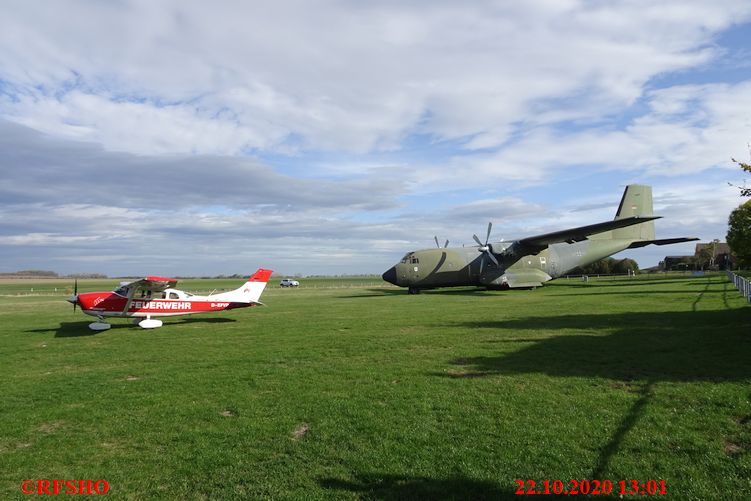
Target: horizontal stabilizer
(664, 241)
(540, 242)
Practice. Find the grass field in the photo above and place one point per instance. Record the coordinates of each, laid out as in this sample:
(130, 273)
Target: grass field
(349, 391)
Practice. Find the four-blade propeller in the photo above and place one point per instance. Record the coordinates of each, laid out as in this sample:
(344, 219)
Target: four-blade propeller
(485, 248)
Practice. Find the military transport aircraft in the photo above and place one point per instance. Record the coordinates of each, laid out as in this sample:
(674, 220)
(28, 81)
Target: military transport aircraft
(531, 261)
(155, 297)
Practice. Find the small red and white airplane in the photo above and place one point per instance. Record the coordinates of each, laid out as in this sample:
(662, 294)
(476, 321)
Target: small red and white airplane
(155, 297)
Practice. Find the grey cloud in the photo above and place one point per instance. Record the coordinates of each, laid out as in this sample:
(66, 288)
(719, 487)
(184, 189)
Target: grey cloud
(41, 169)
(74, 207)
(497, 210)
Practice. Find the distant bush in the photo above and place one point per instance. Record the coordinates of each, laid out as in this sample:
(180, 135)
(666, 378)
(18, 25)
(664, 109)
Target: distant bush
(31, 273)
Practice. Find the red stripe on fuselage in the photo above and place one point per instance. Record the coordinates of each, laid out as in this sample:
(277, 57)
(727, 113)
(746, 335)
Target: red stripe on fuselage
(113, 305)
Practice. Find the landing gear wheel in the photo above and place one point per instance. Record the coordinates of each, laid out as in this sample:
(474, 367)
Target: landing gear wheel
(413, 290)
(149, 323)
(99, 325)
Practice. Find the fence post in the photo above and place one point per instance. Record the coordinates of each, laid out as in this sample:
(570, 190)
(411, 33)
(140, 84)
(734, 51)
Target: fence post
(742, 284)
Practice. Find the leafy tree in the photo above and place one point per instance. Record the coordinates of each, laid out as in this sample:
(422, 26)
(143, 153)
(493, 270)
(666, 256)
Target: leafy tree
(739, 234)
(703, 258)
(625, 265)
(607, 266)
(745, 192)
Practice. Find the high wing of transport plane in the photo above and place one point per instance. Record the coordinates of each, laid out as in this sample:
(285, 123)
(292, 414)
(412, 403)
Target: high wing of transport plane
(155, 297)
(532, 261)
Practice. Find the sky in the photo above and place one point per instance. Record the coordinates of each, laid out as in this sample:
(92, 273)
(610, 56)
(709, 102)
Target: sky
(203, 138)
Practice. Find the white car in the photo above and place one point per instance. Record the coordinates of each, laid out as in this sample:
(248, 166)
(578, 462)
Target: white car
(288, 282)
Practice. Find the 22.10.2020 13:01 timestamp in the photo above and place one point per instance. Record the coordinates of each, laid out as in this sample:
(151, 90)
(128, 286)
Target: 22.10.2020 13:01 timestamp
(575, 487)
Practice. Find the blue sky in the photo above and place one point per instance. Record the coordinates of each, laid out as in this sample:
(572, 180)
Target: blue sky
(190, 138)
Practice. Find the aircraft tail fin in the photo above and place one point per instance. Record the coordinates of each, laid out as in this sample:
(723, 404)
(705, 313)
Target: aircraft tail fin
(250, 291)
(636, 201)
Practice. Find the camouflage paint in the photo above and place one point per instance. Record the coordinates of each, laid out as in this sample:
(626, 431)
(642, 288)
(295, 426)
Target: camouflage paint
(470, 266)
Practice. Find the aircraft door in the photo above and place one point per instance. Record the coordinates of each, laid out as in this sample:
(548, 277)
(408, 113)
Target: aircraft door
(474, 269)
(552, 265)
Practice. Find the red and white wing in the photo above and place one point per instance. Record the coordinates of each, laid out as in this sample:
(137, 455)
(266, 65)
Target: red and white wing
(148, 284)
(153, 284)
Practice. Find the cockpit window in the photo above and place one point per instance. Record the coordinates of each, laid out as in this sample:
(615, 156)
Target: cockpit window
(122, 291)
(410, 258)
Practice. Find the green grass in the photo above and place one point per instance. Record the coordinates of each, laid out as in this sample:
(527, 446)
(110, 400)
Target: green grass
(65, 286)
(360, 392)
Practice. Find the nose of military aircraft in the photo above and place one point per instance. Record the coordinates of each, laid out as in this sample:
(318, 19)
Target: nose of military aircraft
(390, 275)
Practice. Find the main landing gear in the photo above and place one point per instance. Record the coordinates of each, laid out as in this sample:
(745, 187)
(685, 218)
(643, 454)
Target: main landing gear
(99, 325)
(148, 323)
(413, 290)
(144, 323)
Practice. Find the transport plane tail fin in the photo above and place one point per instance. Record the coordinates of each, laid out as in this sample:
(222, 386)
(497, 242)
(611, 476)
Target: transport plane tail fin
(636, 201)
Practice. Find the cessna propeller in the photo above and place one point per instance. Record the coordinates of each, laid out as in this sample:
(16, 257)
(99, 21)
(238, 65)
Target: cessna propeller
(74, 298)
(485, 248)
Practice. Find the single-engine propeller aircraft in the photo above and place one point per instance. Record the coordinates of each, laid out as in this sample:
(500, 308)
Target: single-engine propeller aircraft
(155, 297)
(531, 261)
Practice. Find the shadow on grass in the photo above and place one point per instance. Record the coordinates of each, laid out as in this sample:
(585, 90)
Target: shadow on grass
(628, 422)
(597, 291)
(389, 486)
(81, 329)
(75, 329)
(667, 346)
(463, 291)
(639, 292)
(642, 350)
(375, 292)
(595, 287)
(633, 282)
(202, 320)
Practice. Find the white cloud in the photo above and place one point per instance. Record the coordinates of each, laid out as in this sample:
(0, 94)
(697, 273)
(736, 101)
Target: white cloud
(399, 120)
(180, 77)
(685, 130)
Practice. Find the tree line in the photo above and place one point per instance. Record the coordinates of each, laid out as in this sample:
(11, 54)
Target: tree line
(739, 225)
(607, 266)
